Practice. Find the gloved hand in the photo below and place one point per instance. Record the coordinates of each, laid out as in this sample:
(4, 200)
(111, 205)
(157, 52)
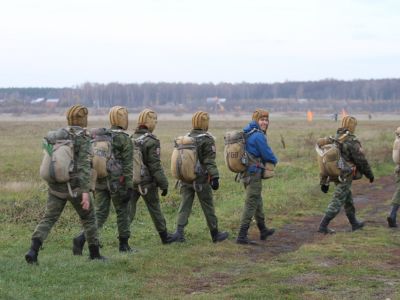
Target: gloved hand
(371, 180)
(125, 197)
(214, 183)
(325, 188)
(164, 192)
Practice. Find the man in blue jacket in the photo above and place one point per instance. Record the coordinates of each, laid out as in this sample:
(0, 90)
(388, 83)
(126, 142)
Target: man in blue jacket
(259, 153)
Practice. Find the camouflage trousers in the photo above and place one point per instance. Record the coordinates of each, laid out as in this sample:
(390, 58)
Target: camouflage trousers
(253, 206)
(204, 193)
(396, 195)
(152, 201)
(341, 197)
(103, 201)
(54, 208)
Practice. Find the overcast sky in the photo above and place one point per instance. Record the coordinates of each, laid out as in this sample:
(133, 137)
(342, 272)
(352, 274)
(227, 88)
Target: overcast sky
(63, 43)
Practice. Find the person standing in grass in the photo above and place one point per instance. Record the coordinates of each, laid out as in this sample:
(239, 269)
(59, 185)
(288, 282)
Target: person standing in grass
(152, 174)
(352, 153)
(391, 219)
(117, 186)
(75, 190)
(259, 154)
(205, 182)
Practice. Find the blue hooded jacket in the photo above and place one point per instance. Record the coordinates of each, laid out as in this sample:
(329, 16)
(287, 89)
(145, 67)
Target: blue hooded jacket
(257, 146)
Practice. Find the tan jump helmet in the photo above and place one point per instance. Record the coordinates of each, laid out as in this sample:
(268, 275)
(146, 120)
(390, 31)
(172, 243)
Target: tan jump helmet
(260, 113)
(148, 118)
(119, 117)
(77, 115)
(349, 123)
(200, 120)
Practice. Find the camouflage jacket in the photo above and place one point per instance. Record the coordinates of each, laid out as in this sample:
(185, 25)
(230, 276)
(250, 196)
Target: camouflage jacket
(151, 152)
(206, 151)
(80, 176)
(122, 149)
(352, 152)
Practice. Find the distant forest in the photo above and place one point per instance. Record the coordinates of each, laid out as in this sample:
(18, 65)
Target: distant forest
(328, 95)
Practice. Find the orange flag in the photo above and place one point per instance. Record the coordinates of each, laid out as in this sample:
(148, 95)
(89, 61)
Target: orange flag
(310, 115)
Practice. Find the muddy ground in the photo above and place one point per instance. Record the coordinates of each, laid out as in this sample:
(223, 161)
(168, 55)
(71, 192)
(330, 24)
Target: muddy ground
(370, 201)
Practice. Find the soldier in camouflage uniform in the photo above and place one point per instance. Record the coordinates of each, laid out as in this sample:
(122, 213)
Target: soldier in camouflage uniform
(116, 187)
(352, 154)
(209, 179)
(391, 219)
(259, 154)
(153, 176)
(76, 190)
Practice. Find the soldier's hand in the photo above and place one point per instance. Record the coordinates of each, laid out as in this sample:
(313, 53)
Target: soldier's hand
(214, 183)
(164, 192)
(371, 180)
(325, 188)
(85, 201)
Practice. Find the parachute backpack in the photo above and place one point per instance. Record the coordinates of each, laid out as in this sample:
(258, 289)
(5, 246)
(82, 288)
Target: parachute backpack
(184, 160)
(234, 151)
(396, 147)
(236, 157)
(141, 174)
(330, 161)
(58, 158)
(102, 151)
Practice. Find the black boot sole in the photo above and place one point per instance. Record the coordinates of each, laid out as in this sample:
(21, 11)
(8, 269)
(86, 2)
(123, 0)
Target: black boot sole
(391, 222)
(30, 260)
(269, 233)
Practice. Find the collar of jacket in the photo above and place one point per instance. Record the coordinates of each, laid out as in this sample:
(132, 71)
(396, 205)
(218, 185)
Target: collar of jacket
(114, 127)
(141, 130)
(198, 131)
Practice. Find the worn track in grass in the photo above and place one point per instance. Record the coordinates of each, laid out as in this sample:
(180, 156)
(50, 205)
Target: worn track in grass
(369, 200)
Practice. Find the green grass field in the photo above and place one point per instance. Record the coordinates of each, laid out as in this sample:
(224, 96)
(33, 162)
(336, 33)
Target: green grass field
(359, 265)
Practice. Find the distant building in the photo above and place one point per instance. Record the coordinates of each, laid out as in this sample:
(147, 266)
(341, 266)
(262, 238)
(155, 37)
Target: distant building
(38, 100)
(52, 103)
(48, 103)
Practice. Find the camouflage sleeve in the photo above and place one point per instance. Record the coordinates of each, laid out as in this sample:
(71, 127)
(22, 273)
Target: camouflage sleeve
(83, 162)
(153, 162)
(125, 154)
(207, 156)
(359, 159)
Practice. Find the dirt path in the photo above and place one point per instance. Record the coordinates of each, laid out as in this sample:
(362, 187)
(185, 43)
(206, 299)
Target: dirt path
(369, 201)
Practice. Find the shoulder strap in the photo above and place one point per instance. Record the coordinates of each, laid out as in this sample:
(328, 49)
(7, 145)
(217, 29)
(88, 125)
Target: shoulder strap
(248, 134)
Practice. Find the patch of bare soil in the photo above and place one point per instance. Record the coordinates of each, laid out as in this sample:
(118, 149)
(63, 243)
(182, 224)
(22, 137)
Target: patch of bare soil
(368, 198)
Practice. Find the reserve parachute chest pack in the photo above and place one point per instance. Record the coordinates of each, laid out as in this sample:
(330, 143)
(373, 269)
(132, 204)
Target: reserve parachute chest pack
(58, 159)
(185, 165)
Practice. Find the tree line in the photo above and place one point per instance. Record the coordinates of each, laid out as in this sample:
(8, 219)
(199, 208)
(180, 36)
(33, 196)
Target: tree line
(329, 94)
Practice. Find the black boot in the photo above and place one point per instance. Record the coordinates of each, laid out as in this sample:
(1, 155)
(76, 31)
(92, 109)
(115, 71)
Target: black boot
(94, 252)
(32, 254)
(77, 244)
(323, 226)
(355, 225)
(264, 231)
(166, 237)
(391, 219)
(218, 236)
(123, 245)
(179, 235)
(242, 236)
